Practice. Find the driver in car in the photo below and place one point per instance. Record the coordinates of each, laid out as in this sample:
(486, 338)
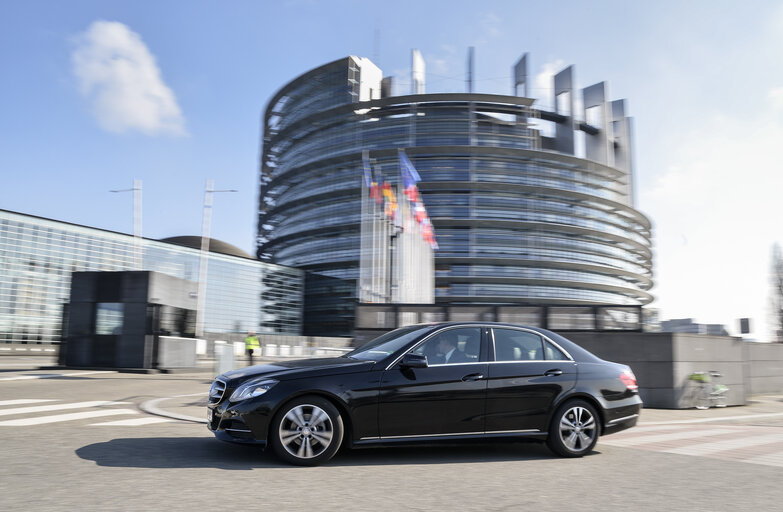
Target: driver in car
(448, 349)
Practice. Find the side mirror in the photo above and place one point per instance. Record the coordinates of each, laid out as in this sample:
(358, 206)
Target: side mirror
(414, 361)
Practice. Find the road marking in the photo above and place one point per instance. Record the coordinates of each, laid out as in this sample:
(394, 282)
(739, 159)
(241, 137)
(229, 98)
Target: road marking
(23, 401)
(720, 418)
(637, 430)
(53, 375)
(660, 438)
(132, 423)
(728, 444)
(768, 459)
(65, 417)
(59, 407)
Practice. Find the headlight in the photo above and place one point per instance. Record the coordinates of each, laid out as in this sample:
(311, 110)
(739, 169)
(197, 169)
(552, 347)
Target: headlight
(251, 389)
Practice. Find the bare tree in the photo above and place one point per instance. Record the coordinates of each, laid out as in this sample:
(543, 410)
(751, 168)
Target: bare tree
(776, 299)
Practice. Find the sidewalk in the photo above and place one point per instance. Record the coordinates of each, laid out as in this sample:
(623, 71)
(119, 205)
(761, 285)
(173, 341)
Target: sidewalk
(761, 407)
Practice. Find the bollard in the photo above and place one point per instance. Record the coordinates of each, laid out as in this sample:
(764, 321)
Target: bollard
(224, 357)
(285, 350)
(270, 349)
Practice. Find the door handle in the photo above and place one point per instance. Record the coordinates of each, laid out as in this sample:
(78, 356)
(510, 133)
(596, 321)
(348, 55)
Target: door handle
(472, 377)
(553, 373)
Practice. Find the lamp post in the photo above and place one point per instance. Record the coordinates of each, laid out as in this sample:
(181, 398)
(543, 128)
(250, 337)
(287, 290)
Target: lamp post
(206, 224)
(137, 254)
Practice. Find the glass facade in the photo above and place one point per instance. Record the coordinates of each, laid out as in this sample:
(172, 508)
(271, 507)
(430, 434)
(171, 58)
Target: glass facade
(38, 255)
(516, 220)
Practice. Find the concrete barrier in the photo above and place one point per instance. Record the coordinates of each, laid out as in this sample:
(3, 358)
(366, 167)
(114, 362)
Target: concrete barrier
(224, 357)
(662, 363)
(765, 367)
(174, 352)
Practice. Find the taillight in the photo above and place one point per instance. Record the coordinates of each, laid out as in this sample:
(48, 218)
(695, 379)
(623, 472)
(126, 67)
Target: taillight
(629, 379)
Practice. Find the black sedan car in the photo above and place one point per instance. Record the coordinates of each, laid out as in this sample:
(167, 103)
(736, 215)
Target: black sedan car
(427, 383)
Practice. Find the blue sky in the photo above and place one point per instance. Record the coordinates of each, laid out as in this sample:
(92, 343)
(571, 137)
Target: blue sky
(702, 78)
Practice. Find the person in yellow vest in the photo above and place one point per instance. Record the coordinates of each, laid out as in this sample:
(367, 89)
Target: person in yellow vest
(251, 345)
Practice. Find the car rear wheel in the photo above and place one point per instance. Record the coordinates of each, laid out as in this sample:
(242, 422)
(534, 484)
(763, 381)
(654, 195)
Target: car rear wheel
(574, 429)
(307, 431)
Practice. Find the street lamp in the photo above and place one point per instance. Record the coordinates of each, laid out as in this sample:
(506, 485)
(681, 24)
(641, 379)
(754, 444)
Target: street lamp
(203, 256)
(137, 256)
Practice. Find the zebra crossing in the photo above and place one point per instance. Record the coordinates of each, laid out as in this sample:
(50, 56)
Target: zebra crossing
(25, 412)
(740, 443)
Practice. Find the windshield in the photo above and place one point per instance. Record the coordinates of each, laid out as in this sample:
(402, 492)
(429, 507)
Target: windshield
(385, 345)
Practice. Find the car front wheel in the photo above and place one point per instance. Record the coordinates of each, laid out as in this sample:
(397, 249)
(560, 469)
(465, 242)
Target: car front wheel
(574, 429)
(307, 431)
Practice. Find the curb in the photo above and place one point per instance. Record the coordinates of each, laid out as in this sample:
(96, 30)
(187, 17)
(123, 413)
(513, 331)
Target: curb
(151, 407)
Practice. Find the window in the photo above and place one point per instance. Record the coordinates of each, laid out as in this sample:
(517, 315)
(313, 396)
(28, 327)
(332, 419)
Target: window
(108, 318)
(515, 345)
(452, 346)
(177, 322)
(553, 353)
(387, 344)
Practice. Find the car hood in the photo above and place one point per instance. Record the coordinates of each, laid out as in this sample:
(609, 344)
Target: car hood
(297, 369)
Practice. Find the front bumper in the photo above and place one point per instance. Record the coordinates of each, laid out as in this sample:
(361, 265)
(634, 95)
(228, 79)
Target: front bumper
(242, 422)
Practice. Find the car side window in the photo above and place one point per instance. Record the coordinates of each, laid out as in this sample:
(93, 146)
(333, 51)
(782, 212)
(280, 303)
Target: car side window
(553, 353)
(461, 345)
(514, 345)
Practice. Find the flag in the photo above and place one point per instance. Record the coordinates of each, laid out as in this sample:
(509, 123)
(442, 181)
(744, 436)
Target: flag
(391, 201)
(375, 188)
(419, 213)
(428, 234)
(409, 175)
(367, 169)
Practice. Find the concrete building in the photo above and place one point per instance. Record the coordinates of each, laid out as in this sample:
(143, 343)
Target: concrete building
(519, 217)
(687, 325)
(38, 255)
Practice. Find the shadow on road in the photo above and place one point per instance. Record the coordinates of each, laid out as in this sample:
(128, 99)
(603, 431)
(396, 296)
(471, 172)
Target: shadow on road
(176, 452)
(205, 452)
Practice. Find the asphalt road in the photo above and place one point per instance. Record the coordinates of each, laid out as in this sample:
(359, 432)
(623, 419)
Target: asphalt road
(103, 453)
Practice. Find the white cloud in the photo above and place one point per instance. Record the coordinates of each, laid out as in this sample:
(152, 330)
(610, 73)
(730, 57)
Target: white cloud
(123, 83)
(491, 23)
(775, 97)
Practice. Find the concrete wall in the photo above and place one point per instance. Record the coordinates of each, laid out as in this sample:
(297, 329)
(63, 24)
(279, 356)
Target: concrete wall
(765, 367)
(663, 361)
(174, 352)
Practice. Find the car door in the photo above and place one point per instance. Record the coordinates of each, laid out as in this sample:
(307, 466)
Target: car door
(446, 397)
(526, 375)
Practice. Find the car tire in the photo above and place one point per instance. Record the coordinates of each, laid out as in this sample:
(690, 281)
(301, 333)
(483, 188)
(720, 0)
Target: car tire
(306, 431)
(574, 429)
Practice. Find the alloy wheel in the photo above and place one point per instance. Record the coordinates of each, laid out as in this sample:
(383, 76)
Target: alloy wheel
(306, 431)
(577, 428)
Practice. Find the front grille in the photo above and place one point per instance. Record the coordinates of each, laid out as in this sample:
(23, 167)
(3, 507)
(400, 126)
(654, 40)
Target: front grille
(216, 391)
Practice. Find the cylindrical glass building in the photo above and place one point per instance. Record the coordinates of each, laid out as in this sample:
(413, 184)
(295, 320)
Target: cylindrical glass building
(518, 217)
